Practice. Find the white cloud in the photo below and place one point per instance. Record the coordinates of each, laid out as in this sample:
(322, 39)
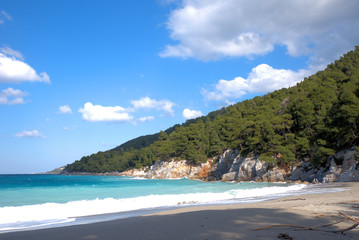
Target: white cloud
(209, 30)
(12, 96)
(11, 52)
(148, 103)
(29, 134)
(262, 79)
(146, 119)
(65, 109)
(190, 114)
(6, 15)
(13, 70)
(98, 113)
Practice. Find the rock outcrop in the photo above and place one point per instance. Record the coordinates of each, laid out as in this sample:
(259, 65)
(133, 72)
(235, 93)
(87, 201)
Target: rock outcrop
(344, 167)
(231, 166)
(173, 169)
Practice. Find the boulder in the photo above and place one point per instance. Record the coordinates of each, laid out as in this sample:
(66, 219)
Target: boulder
(260, 168)
(231, 176)
(247, 170)
(298, 173)
(225, 162)
(202, 171)
(275, 175)
(350, 171)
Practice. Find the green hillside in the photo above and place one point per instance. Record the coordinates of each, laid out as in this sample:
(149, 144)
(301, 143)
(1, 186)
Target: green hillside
(311, 120)
(144, 141)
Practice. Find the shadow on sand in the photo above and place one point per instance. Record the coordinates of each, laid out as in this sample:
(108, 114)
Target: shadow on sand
(206, 224)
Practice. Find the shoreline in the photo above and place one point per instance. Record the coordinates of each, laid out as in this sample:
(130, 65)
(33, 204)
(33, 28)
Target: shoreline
(235, 221)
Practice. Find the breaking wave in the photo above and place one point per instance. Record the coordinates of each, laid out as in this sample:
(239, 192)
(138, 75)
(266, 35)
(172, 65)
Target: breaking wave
(47, 214)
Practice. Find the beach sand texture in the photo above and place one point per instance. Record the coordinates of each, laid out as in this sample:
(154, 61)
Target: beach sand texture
(226, 221)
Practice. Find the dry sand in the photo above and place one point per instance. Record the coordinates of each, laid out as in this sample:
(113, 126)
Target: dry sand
(225, 222)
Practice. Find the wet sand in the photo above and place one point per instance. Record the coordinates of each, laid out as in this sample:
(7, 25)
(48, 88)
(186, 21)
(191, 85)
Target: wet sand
(226, 221)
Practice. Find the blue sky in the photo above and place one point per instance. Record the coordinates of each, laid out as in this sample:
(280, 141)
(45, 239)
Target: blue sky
(78, 77)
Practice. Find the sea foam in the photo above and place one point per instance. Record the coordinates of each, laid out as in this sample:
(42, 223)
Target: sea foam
(29, 216)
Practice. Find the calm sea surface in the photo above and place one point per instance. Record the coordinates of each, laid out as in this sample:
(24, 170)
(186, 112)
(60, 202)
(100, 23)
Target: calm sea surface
(37, 201)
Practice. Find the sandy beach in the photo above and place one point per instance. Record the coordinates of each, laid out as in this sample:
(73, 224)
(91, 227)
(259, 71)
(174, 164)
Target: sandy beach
(227, 221)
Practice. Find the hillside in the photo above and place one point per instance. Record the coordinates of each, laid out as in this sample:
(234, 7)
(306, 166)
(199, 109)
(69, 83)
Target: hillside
(310, 121)
(144, 141)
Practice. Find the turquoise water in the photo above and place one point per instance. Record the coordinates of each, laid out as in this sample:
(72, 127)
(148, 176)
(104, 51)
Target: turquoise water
(19, 190)
(36, 201)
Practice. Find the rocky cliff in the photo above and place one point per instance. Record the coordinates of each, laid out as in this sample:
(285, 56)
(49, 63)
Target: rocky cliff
(231, 166)
(174, 169)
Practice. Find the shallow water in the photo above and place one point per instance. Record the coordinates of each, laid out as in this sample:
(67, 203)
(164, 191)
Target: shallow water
(37, 201)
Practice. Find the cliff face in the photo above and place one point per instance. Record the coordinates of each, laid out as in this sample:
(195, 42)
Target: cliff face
(231, 166)
(173, 169)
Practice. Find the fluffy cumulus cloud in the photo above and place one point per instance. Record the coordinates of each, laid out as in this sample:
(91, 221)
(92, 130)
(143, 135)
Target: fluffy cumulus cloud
(262, 79)
(29, 134)
(148, 103)
(190, 114)
(209, 30)
(98, 113)
(65, 109)
(14, 70)
(12, 96)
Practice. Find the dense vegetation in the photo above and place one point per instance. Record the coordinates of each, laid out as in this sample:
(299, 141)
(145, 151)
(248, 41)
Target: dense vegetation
(312, 120)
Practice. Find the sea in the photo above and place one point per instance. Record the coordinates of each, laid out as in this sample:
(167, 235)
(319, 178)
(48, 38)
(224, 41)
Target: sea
(33, 201)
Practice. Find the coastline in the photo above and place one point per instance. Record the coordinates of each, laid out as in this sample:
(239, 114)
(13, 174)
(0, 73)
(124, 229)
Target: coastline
(224, 221)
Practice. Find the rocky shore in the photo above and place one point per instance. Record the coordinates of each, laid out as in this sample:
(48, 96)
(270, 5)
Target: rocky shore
(231, 166)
